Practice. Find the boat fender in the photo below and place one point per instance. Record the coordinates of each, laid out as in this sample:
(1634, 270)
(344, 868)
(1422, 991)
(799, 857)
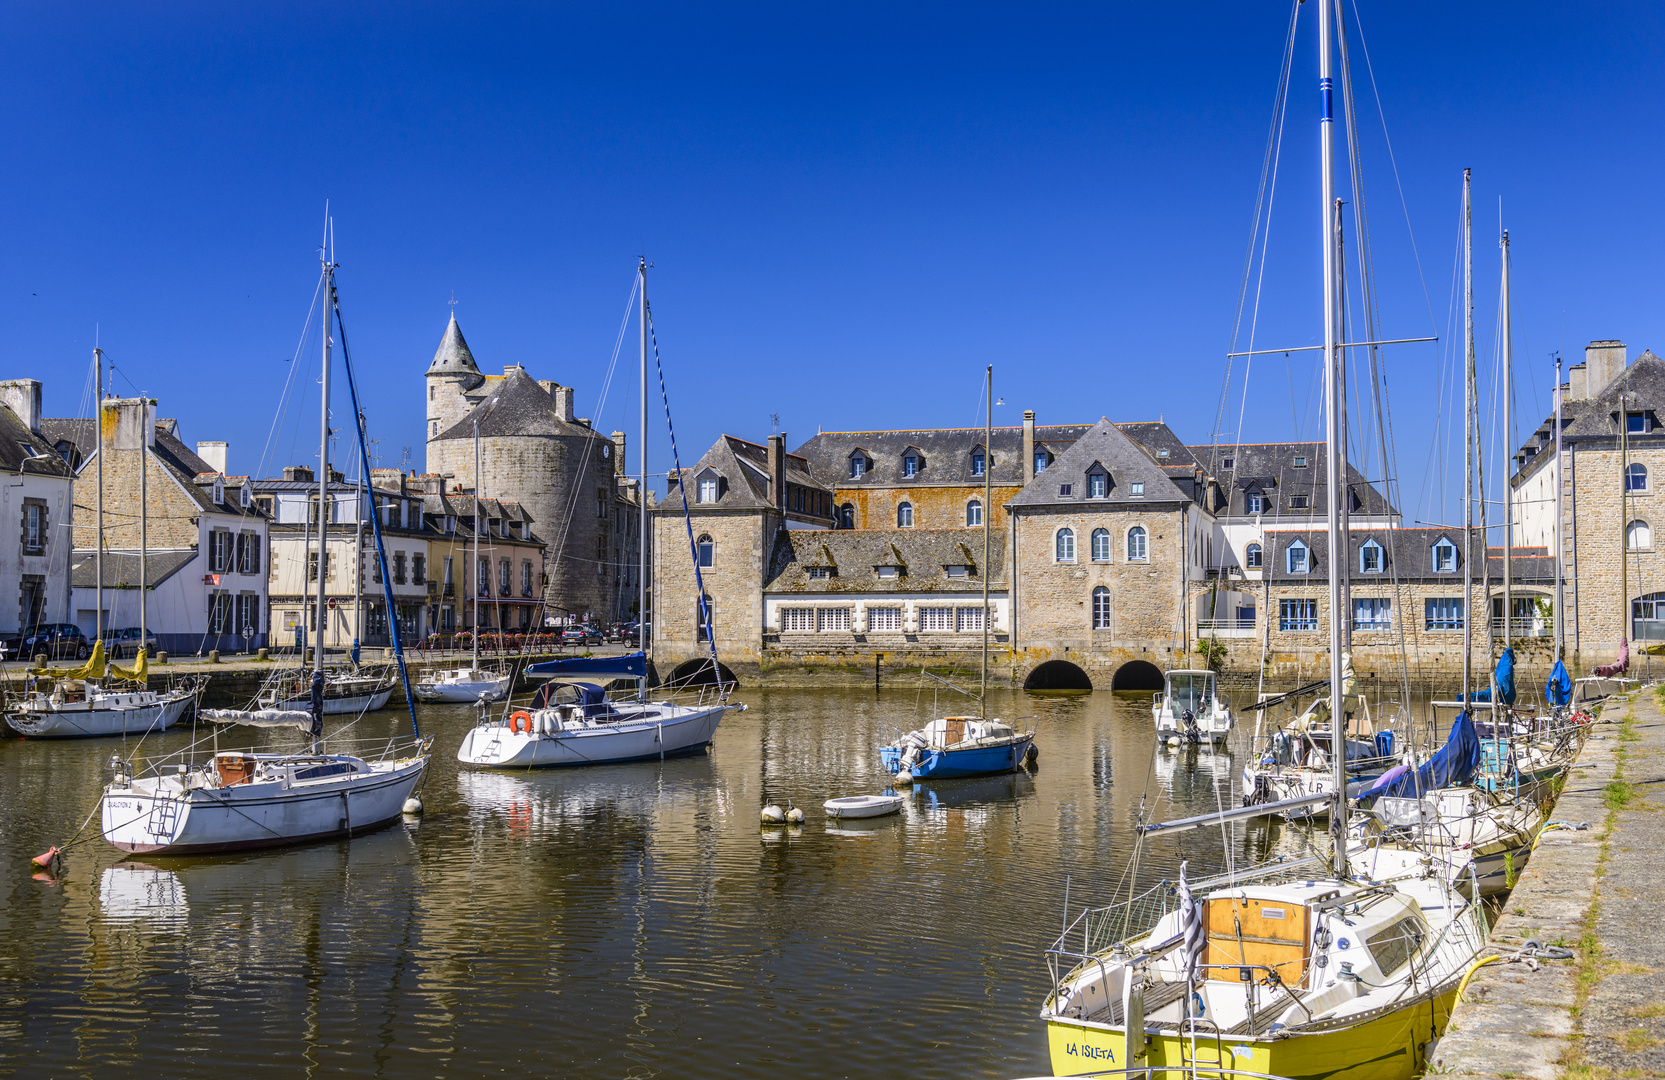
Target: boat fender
(904, 778)
(518, 718)
(1031, 755)
(413, 805)
(795, 816)
(773, 815)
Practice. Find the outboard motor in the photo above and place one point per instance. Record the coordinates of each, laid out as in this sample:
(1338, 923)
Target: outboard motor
(1192, 734)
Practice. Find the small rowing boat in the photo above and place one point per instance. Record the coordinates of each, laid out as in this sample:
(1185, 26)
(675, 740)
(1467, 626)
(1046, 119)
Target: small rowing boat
(860, 806)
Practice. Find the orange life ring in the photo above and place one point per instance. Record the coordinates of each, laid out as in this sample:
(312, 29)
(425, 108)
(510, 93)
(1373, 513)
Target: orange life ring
(516, 718)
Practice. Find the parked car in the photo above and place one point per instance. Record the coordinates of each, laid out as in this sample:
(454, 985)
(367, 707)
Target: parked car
(593, 634)
(59, 641)
(572, 635)
(124, 643)
(623, 633)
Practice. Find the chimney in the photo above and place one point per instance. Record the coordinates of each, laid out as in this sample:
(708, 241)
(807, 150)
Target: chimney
(1604, 361)
(1578, 388)
(563, 403)
(510, 369)
(388, 479)
(214, 454)
(301, 473)
(22, 396)
(129, 423)
(777, 470)
(549, 386)
(1028, 445)
(618, 453)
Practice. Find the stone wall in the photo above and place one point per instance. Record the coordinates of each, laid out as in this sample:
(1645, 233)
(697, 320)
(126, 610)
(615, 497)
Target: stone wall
(743, 543)
(935, 506)
(1595, 520)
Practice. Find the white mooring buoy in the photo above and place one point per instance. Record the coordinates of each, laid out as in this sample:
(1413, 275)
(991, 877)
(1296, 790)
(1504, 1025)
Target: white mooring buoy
(773, 815)
(413, 805)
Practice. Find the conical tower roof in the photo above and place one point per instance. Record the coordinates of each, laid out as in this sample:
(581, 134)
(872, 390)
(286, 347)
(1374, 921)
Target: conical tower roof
(453, 357)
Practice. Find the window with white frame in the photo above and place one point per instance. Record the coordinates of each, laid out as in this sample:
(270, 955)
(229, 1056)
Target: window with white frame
(1445, 557)
(1298, 614)
(1636, 477)
(910, 465)
(1638, 536)
(1098, 485)
(1298, 559)
(958, 570)
(1300, 502)
(706, 548)
(1372, 613)
(707, 490)
(219, 614)
(1136, 488)
(880, 619)
(858, 466)
(1064, 546)
(1370, 557)
(974, 512)
(1252, 557)
(888, 572)
(1254, 503)
(1300, 461)
(904, 515)
(1101, 545)
(979, 462)
(832, 618)
(1042, 459)
(936, 619)
(1101, 608)
(1138, 544)
(820, 573)
(797, 619)
(969, 619)
(1442, 613)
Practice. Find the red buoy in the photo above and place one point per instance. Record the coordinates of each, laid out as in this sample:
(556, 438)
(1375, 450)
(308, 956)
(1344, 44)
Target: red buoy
(45, 859)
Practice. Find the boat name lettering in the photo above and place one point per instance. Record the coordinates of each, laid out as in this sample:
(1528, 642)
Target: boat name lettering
(1083, 1050)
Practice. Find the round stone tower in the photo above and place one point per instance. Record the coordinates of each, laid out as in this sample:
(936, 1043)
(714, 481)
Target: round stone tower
(451, 377)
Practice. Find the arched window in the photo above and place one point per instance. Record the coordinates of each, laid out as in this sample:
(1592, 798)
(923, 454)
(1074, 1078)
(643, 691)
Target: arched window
(1064, 546)
(847, 516)
(1638, 536)
(1298, 558)
(1636, 477)
(1101, 608)
(1101, 545)
(904, 516)
(1370, 557)
(707, 550)
(1252, 557)
(974, 512)
(1138, 545)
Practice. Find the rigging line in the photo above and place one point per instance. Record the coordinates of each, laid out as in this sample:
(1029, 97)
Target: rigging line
(289, 379)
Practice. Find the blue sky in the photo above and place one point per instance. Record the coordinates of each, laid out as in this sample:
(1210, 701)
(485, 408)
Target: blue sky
(851, 209)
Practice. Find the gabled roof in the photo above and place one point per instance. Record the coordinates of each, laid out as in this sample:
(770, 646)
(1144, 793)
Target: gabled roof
(452, 357)
(1270, 468)
(1409, 555)
(22, 451)
(180, 461)
(947, 454)
(745, 467)
(1128, 463)
(121, 569)
(1596, 419)
(922, 554)
(517, 405)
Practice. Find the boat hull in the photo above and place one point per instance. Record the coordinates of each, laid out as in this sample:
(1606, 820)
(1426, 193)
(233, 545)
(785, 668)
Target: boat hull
(935, 764)
(351, 705)
(461, 693)
(94, 723)
(244, 817)
(1395, 1042)
(661, 736)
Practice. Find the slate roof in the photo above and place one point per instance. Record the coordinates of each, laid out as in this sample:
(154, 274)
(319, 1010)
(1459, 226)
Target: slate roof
(453, 357)
(1407, 552)
(1596, 419)
(22, 451)
(170, 451)
(744, 470)
(946, 453)
(121, 569)
(517, 405)
(1103, 446)
(922, 555)
(1270, 470)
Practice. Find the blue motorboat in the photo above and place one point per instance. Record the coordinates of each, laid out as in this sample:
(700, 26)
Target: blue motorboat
(958, 746)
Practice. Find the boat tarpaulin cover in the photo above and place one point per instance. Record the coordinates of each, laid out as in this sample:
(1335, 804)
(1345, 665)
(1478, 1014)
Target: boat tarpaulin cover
(1505, 680)
(1453, 765)
(592, 669)
(294, 718)
(1558, 690)
(1619, 666)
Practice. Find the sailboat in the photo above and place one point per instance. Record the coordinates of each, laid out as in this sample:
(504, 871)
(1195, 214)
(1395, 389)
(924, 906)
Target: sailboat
(957, 746)
(471, 683)
(85, 701)
(571, 719)
(1346, 971)
(237, 800)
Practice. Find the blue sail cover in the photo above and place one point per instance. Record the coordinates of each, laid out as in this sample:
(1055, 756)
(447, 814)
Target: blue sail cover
(1505, 680)
(1558, 691)
(592, 669)
(1453, 765)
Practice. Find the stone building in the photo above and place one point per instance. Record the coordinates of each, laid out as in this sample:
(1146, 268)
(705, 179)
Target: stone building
(205, 546)
(535, 452)
(1611, 500)
(508, 563)
(39, 498)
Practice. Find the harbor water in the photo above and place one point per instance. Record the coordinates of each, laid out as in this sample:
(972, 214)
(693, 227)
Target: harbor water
(614, 921)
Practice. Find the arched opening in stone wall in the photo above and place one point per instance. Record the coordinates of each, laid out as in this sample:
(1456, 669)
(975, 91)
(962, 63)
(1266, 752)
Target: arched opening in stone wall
(1057, 675)
(698, 673)
(1137, 675)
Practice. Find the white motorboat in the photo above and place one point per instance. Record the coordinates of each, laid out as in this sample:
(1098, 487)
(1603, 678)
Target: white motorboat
(863, 806)
(346, 693)
(240, 800)
(59, 708)
(1190, 708)
(463, 685)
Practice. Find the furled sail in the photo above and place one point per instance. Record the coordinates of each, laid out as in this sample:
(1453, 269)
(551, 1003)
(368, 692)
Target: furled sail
(268, 718)
(92, 669)
(139, 672)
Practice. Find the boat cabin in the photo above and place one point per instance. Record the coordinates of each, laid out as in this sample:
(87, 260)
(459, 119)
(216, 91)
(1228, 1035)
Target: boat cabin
(954, 730)
(1189, 691)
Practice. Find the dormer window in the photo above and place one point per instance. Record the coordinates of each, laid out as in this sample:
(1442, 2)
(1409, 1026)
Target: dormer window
(1370, 558)
(910, 464)
(1254, 503)
(958, 571)
(244, 498)
(820, 573)
(219, 491)
(707, 489)
(859, 465)
(1445, 557)
(1042, 459)
(1098, 485)
(887, 573)
(450, 524)
(1298, 558)
(979, 462)
(1636, 423)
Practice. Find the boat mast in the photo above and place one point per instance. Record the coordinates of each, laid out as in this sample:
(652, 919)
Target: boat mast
(1624, 521)
(1332, 397)
(1509, 444)
(643, 642)
(1560, 623)
(988, 507)
(145, 433)
(358, 554)
(1468, 442)
(98, 553)
(476, 559)
(323, 511)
